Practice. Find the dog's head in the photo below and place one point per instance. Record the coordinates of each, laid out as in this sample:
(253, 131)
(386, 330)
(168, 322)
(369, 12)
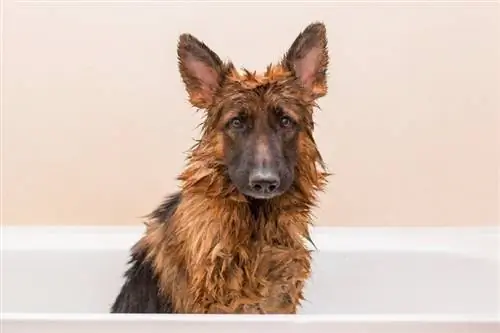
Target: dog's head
(260, 124)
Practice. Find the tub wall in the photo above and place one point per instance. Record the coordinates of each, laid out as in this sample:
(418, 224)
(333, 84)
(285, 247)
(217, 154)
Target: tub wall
(95, 120)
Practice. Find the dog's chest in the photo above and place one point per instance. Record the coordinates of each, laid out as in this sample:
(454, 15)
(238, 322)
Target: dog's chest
(269, 279)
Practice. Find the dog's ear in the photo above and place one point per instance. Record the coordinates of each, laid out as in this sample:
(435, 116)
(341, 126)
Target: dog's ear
(201, 70)
(307, 58)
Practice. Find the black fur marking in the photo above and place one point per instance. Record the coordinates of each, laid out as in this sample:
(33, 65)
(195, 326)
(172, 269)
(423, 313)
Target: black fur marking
(140, 292)
(163, 213)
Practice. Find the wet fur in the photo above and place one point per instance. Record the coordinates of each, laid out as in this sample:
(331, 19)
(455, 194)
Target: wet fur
(211, 249)
(140, 292)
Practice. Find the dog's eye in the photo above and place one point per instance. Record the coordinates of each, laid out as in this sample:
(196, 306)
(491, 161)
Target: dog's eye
(286, 122)
(237, 123)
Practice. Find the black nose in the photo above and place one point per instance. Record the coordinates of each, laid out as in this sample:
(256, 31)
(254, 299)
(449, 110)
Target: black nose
(264, 182)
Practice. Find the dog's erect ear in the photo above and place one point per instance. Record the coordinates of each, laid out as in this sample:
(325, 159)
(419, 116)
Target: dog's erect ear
(201, 70)
(307, 58)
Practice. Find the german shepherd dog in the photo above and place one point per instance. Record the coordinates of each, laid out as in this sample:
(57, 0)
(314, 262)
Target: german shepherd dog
(234, 238)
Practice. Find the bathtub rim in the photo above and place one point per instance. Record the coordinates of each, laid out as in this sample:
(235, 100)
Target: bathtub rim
(477, 242)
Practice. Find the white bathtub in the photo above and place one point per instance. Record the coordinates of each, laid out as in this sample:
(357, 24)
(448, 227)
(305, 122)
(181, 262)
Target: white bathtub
(378, 280)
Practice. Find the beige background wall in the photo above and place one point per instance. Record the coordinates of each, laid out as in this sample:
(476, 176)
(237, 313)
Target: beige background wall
(95, 119)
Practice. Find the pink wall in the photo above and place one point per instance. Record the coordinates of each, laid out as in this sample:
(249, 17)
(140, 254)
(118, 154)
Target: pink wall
(95, 119)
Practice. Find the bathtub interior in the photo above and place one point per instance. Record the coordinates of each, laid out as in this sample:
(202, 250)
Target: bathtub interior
(83, 279)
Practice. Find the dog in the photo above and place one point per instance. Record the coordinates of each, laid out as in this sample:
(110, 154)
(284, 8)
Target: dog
(234, 238)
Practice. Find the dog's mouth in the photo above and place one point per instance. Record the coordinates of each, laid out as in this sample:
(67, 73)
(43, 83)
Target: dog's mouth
(262, 195)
